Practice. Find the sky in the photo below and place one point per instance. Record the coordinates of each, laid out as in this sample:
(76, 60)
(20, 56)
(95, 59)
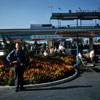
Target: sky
(21, 13)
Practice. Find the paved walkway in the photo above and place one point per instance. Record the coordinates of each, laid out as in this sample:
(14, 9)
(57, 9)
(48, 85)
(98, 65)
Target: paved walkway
(84, 87)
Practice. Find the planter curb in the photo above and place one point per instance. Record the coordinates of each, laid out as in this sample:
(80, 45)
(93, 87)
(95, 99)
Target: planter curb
(48, 83)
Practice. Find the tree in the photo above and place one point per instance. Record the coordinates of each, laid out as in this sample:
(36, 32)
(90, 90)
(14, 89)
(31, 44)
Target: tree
(8, 46)
(80, 40)
(98, 40)
(27, 51)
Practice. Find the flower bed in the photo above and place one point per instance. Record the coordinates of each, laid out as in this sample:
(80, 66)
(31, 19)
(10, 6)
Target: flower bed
(40, 70)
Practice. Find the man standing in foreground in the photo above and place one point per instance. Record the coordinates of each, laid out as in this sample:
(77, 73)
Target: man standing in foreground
(17, 58)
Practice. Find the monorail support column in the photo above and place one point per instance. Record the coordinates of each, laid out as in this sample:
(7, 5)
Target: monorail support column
(80, 22)
(77, 52)
(90, 44)
(50, 43)
(77, 22)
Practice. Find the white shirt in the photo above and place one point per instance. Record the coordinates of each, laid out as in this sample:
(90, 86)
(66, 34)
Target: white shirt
(61, 47)
(91, 54)
(80, 56)
(45, 53)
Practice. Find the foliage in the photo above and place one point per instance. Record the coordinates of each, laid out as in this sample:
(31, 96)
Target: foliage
(26, 50)
(98, 40)
(7, 47)
(80, 40)
(40, 70)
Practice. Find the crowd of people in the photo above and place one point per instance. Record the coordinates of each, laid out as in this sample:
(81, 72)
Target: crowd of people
(53, 50)
(91, 56)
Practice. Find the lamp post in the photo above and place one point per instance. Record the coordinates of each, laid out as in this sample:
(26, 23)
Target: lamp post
(51, 8)
(59, 21)
(77, 51)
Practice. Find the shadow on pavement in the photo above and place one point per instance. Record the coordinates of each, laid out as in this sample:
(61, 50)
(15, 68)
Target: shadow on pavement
(96, 70)
(55, 88)
(82, 70)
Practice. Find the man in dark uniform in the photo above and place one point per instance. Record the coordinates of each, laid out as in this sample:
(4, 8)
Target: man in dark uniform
(17, 58)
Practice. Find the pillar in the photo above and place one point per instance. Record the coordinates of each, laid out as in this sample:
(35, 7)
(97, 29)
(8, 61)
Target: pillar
(80, 22)
(50, 43)
(90, 44)
(77, 22)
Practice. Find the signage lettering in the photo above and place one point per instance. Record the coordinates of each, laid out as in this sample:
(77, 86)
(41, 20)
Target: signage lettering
(86, 10)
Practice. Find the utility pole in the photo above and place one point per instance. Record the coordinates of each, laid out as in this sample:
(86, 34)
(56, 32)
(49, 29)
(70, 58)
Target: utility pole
(51, 8)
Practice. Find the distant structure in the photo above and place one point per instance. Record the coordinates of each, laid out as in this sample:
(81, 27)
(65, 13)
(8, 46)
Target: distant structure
(39, 26)
(76, 16)
(51, 33)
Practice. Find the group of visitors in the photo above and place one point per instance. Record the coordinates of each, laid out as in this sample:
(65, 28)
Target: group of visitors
(91, 56)
(55, 50)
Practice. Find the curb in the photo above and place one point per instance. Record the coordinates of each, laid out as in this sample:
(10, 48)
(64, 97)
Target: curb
(48, 83)
(54, 82)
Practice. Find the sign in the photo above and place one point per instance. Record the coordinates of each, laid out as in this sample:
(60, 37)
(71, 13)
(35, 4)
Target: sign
(46, 37)
(36, 37)
(86, 10)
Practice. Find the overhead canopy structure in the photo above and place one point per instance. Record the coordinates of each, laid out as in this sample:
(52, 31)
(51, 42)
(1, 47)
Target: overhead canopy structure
(86, 34)
(77, 15)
